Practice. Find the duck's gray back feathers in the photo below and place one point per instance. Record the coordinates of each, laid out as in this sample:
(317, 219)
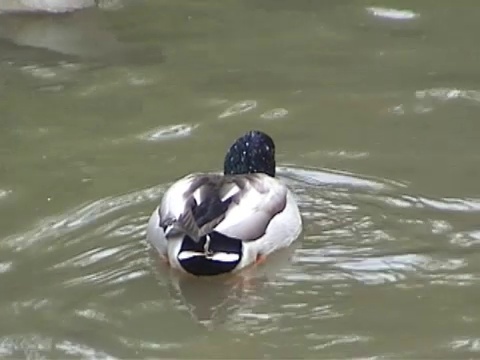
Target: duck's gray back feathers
(238, 206)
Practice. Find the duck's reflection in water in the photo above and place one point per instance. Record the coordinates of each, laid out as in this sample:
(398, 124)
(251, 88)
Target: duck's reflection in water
(211, 301)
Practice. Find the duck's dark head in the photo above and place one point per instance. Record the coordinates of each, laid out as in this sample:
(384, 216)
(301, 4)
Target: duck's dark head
(253, 152)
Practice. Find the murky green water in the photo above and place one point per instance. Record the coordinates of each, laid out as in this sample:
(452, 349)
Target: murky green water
(375, 114)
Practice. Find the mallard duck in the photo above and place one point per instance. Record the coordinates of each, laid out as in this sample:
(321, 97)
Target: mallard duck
(212, 224)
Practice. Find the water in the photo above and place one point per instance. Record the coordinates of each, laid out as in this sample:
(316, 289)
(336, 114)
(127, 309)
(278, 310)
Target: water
(373, 106)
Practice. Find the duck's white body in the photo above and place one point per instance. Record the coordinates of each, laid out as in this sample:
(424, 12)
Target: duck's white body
(256, 210)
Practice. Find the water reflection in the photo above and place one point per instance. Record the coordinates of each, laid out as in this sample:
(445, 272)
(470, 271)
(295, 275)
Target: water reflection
(54, 6)
(76, 34)
(214, 301)
(43, 37)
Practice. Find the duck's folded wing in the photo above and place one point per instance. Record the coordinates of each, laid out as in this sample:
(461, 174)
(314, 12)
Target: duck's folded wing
(196, 204)
(260, 199)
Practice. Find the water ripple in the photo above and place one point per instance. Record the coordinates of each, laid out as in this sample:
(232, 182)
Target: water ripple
(393, 14)
(58, 226)
(274, 114)
(75, 349)
(316, 177)
(25, 346)
(447, 94)
(93, 267)
(355, 230)
(109, 276)
(466, 343)
(168, 132)
(4, 193)
(332, 340)
(443, 204)
(238, 108)
(5, 266)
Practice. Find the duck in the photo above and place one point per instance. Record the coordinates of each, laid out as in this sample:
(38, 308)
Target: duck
(211, 224)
